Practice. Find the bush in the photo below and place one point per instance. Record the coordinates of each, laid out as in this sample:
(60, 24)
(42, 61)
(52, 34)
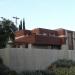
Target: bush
(63, 67)
(64, 63)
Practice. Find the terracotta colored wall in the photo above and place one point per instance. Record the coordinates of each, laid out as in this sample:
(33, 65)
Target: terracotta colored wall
(48, 40)
(61, 32)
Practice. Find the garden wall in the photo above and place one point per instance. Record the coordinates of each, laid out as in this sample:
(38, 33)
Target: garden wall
(20, 59)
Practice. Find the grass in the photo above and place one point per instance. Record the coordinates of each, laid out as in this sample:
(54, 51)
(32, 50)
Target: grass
(65, 71)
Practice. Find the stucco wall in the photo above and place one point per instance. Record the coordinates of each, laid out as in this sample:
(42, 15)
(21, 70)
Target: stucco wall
(33, 59)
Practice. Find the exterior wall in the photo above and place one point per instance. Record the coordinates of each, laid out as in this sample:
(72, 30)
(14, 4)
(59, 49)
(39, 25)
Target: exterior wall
(62, 34)
(47, 40)
(70, 40)
(34, 46)
(30, 46)
(40, 36)
(20, 59)
(74, 40)
(65, 45)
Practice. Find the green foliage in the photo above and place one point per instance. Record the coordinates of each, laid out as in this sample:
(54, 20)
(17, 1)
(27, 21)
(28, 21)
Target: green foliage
(65, 71)
(7, 29)
(20, 26)
(63, 67)
(23, 24)
(64, 63)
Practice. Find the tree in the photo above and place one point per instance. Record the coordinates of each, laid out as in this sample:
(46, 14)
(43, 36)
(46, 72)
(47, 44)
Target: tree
(7, 29)
(23, 24)
(20, 26)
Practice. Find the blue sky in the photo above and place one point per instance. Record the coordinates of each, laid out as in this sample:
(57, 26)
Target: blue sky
(50, 14)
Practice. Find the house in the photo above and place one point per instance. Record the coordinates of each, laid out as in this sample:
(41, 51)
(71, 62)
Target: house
(68, 38)
(45, 39)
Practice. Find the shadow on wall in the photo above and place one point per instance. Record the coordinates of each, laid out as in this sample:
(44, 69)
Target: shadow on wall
(4, 70)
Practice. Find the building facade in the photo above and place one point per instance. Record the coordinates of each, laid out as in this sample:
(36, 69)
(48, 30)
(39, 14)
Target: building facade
(45, 39)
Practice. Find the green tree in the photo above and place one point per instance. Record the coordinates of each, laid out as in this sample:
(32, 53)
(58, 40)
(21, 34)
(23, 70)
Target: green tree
(20, 26)
(7, 29)
(23, 24)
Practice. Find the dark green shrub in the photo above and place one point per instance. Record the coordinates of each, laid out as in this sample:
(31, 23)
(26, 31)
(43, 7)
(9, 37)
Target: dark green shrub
(64, 63)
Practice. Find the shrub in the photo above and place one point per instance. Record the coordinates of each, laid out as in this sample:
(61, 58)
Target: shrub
(64, 63)
(63, 67)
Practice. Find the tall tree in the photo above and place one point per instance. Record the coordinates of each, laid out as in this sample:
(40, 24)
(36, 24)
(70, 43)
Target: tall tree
(6, 32)
(20, 26)
(23, 24)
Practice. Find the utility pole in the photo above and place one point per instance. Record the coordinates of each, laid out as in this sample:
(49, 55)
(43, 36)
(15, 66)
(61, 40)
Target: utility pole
(16, 18)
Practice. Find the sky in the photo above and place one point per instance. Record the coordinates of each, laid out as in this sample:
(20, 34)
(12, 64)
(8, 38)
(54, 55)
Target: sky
(49, 14)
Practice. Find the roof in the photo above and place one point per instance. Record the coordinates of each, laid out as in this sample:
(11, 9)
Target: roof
(22, 32)
(63, 29)
(30, 36)
(43, 31)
